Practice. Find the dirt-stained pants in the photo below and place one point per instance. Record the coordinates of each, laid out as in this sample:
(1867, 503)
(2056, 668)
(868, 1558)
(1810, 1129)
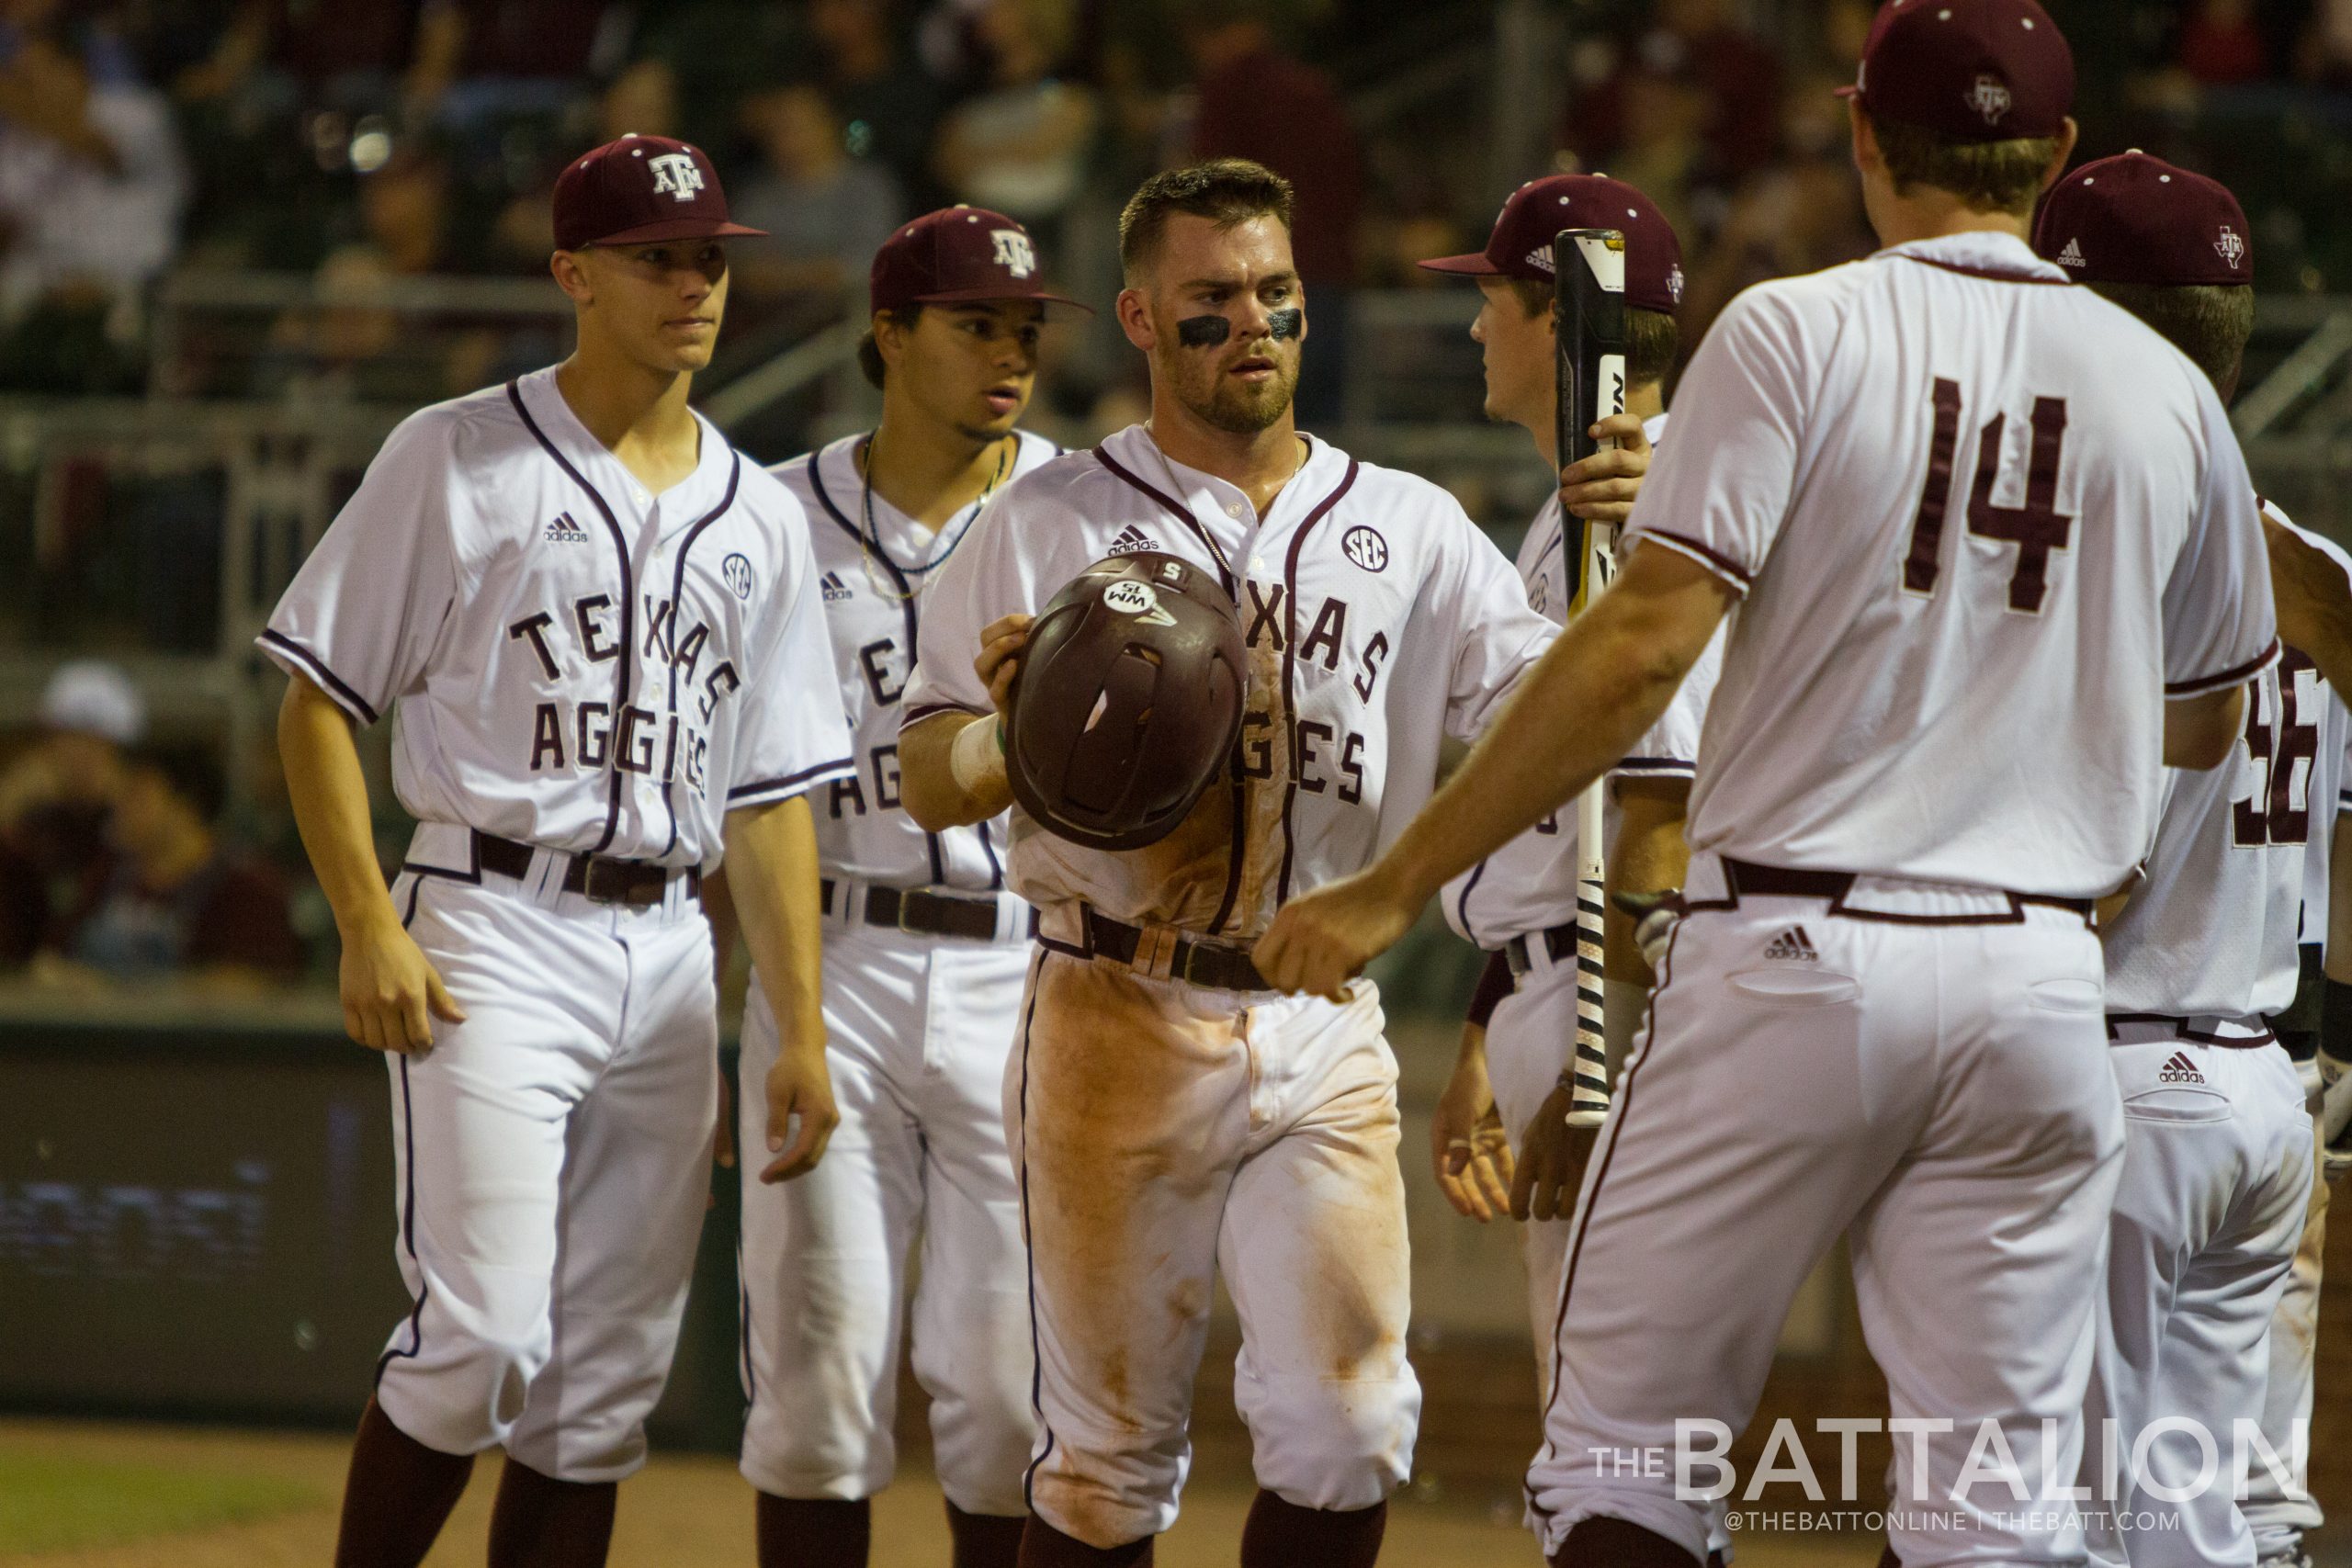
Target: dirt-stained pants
(1167, 1133)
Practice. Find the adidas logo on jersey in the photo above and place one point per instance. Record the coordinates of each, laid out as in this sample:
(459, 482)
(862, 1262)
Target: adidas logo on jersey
(1793, 946)
(2071, 255)
(833, 588)
(2180, 1069)
(564, 531)
(1132, 539)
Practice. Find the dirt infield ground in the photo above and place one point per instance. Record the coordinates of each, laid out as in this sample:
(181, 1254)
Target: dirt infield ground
(684, 1512)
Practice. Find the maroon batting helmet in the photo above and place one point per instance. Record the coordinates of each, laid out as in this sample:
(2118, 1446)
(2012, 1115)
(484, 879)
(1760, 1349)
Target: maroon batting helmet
(1128, 701)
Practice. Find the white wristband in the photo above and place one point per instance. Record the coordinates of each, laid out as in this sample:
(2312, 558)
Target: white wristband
(975, 760)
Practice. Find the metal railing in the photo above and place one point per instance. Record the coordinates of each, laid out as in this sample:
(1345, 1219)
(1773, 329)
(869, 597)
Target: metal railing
(161, 531)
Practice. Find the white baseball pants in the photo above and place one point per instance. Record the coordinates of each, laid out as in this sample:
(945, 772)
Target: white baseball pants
(2217, 1173)
(1938, 1093)
(918, 1028)
(1168, 1133)
(2282, 1515)
(554, 1160)
(1529, 1040)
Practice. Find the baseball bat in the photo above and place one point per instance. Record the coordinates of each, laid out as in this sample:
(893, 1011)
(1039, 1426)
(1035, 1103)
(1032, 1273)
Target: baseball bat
(1589, 321)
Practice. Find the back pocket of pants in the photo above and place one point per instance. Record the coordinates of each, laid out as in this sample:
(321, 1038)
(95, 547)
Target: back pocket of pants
(1796, 987)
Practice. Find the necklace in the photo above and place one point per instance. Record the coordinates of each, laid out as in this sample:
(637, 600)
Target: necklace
(869, 538)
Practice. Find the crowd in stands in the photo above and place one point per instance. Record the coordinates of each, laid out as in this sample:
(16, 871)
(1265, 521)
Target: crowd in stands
(373, 139)
(116, 865)
(366, 141)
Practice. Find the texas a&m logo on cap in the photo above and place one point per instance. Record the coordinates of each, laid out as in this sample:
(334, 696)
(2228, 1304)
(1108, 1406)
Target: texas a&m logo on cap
(1013, 252)
(1990, 97)
(675, 175)
(2231, 245)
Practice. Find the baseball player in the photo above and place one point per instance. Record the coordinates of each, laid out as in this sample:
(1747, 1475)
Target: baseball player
(1521, 904)
(1997, 561)
(2217, 1167)
(923, 964)
(1173, 1118)
(600, 628)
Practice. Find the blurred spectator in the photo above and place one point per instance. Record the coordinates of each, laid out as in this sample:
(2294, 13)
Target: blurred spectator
(54, 799)
(91, 186)
(643, 100)
(888, 104)
(2326, 52)
(176, 900)
(1696, 43)
(1259, 103)
(826, 212)
(2221, 42)
(1802, 214)
(1019, 146)
(476, 60)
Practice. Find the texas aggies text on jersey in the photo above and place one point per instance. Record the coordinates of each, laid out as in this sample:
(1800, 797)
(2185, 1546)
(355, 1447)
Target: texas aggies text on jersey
(557, 685)
(1339, 738)
(873, 598)
(2020, 512)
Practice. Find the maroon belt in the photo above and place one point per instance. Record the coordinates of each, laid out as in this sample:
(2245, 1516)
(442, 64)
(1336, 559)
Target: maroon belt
(1783, 882)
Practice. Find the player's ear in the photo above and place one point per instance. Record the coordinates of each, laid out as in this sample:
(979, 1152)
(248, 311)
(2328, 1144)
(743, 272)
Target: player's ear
(1134, 318)
(1866, 153)
(572, 276)
(2067, 134)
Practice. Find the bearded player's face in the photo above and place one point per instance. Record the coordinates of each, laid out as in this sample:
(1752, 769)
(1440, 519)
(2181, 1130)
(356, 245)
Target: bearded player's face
(1238, 377)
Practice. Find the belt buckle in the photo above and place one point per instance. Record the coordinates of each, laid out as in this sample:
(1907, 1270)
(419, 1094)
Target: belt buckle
(907, 911)
(622, 881)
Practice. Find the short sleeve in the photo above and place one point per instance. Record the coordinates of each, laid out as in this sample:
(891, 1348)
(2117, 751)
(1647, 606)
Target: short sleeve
(1480, 609)
(1720, 491)
(363, 615)
(2221, 628)
(983, 582)
(792, 735)
(1669, 748)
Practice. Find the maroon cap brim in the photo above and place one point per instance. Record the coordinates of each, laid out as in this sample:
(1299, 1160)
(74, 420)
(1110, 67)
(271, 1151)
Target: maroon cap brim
(991, 296)
(1474, 265)
(679, 228)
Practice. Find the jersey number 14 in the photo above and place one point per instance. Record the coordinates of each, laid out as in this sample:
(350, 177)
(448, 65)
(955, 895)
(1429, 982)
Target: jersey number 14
(2036, 528)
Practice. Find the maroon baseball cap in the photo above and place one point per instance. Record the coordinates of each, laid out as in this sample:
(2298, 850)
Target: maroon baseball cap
(639, 189)
(1520, 245)
(1972, 70)
(2134, 219)
(959, 255)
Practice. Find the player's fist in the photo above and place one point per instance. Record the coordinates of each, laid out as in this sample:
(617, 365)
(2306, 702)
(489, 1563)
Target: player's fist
(1322, 940)
(801, 1113)
(390, 991)
(1001, 644)
(1601, 487)
(1468, 1149)
(1552, 1160)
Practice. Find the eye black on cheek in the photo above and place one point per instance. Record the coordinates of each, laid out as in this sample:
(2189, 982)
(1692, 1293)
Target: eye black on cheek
(1203, 332)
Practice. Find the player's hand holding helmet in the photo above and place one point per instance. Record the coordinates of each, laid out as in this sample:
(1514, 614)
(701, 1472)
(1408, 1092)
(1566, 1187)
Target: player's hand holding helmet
(1127, 701)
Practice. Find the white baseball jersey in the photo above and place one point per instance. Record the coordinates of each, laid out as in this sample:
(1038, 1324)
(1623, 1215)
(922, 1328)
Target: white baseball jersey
(2212, 929)
(2054, 509)
(1529, 885)
(2319, 848)
(872, 596)
(1377, 618)
(576, 663)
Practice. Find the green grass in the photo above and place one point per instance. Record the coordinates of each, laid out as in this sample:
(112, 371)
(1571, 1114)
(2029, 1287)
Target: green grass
(50, 1503)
